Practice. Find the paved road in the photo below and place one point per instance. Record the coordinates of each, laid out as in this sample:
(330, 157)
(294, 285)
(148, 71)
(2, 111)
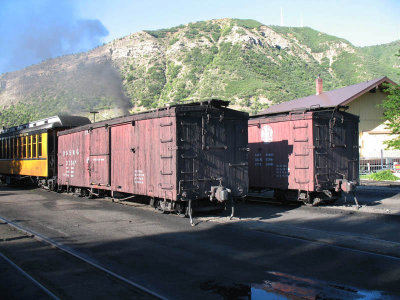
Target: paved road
(376, 199)
(15, 285)
(265, 247)
(50, 273)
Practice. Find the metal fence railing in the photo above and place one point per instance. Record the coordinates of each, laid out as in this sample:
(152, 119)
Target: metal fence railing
(386, 161)
(374, 165)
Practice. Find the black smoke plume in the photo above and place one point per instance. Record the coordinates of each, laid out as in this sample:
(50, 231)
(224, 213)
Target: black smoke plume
(84, 85)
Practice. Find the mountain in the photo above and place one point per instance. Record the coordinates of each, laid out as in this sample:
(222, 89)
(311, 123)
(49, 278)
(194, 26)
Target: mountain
(243, 61)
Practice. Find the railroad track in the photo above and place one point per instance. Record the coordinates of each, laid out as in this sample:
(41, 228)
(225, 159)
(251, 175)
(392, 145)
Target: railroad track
(29, 277)
(142, 292)
(270, 200)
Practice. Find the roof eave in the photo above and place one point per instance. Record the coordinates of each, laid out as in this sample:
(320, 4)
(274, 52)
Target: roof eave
(384, 79)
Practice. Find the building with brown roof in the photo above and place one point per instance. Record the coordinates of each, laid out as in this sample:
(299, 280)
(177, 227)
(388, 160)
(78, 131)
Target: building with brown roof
(362, 99)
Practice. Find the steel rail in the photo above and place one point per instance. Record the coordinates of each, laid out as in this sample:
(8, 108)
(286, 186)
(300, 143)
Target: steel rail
(42, 287)
(387, 256)
(74, 253)
(267, 200)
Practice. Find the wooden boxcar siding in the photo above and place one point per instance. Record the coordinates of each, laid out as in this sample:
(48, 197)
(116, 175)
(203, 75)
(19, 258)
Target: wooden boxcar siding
(143, 157)
(138, 157)
(99, 156)
(337, 151)
(306, 151)
(281, 152)
(73, 159)
(212, 150)
(122, 157)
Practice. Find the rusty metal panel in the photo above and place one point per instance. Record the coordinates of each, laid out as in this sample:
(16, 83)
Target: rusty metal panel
(73, 158)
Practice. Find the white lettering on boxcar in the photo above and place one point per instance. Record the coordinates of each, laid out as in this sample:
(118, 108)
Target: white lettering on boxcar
(70, 152)
(70, 162)
(266, 133)
(98, 159)
(282, 171)
(70, 168)
(258, 160)
(139, 177)
(269, 159)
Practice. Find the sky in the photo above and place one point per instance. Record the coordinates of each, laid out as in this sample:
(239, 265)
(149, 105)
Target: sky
(34, 30)
(362, 22)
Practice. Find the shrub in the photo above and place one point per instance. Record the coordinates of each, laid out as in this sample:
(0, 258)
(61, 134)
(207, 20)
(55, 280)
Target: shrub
(382, 175)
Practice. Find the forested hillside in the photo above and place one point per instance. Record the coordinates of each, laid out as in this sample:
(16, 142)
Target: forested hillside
(243, 61)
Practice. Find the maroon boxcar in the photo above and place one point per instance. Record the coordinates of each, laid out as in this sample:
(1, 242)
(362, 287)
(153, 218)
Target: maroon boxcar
(173, 155)
(309, 155)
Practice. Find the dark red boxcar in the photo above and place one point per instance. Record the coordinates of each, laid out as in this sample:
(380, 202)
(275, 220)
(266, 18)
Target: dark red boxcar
(308, 155)
(174, 154)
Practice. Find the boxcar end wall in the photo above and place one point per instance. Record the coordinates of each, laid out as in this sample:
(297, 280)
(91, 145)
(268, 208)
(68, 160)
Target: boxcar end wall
(311, 151)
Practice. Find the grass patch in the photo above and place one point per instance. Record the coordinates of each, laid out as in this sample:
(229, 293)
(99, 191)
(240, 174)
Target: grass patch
(247, 23)
(382, 175)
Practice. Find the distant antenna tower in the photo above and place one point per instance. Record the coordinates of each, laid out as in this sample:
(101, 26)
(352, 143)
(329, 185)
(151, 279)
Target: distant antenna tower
(301, 20)
(281, 16)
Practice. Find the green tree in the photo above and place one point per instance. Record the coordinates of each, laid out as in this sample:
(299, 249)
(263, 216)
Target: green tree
(391, 106)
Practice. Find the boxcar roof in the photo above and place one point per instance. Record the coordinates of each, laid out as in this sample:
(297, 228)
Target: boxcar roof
(306, 114)
(334, 98)
(47, 123)
(155, 113)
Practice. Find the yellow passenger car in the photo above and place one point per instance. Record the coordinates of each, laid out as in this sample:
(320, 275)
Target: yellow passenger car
(29, 151)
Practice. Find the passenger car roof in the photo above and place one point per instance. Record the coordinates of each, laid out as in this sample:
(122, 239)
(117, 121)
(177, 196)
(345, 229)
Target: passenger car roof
(63, 121)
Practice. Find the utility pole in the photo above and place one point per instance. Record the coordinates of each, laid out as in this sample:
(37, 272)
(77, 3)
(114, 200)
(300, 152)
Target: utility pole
(94, 115)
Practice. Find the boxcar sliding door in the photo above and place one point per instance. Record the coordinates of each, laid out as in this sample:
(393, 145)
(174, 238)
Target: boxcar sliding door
(99, 158)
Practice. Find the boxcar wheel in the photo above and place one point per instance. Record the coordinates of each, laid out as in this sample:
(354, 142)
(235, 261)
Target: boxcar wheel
(335, 196)
(180, 210)
(50, 185)
(158, 207)
(281, 195)
(316, 201)
(330, 201)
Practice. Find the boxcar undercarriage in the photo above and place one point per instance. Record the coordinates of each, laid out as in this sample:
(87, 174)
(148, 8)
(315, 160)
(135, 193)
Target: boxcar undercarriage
(182, 208)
